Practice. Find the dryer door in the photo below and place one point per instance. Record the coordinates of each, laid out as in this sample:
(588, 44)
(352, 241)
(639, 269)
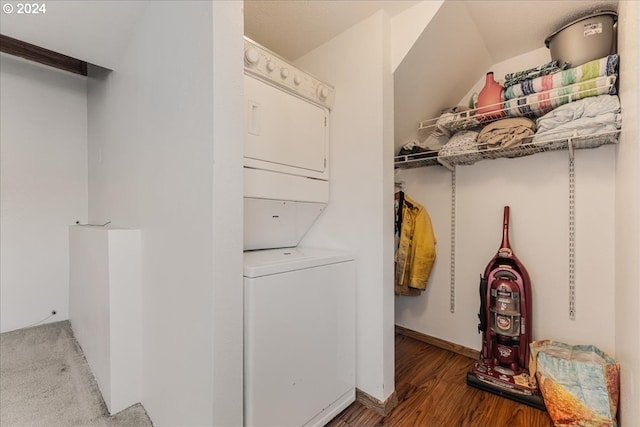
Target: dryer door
(283, 132)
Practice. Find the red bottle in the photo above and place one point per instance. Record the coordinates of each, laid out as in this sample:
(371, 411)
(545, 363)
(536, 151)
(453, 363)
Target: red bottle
(490, 100)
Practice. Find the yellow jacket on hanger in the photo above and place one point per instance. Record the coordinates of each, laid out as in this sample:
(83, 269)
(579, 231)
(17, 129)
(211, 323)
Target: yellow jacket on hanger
(416, 250)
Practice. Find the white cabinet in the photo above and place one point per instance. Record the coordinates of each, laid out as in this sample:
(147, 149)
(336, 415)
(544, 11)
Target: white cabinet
(105, 308)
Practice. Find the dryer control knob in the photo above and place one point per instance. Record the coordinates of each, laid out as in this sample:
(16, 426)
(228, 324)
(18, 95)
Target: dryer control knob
(322, 92)
(251, 56)
(271, 66)
(284, 73)
(296, 80)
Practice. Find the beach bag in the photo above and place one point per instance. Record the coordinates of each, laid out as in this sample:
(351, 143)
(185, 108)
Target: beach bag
(580, 384)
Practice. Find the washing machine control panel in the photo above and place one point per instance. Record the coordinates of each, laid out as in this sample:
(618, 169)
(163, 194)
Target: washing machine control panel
(266, 65)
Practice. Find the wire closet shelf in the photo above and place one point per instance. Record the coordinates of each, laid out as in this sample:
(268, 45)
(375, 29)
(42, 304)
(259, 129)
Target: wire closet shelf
(563, 139)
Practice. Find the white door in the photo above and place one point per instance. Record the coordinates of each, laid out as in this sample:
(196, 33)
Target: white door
(283, 130)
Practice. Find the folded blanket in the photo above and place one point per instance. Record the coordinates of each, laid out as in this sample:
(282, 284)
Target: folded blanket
(584, 117)
(432, 143)
(506, 133)
(460, 142)
(436, 140)
(512, 79)
(460, 120)
(607, 66)
(538, 104)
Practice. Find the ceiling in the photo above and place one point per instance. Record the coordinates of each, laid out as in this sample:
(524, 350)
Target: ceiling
(293, 28)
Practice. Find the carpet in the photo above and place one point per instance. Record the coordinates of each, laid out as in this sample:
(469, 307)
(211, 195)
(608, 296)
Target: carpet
(45, 381)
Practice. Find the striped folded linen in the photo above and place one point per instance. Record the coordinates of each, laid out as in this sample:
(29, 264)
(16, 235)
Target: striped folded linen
(538, 104)
(512, 79)
(607, 66)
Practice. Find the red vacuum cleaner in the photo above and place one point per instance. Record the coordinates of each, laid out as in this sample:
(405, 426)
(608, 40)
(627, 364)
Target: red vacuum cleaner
(505, 324)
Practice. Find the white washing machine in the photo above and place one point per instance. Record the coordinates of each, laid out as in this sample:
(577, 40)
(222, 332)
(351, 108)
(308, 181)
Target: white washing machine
(299, 339)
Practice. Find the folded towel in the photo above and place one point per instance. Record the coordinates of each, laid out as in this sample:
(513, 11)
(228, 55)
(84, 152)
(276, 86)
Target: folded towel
(587, 116)
(512, 79)
(587, 107)
(436, 140)
(607, 66)
(506, 133)
(460, 142)
(460, 120)
(538, 104)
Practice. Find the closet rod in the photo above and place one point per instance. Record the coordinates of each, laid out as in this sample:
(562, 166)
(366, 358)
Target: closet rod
(44, 56)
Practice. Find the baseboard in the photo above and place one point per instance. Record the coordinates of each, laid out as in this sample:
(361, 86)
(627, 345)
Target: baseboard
(333, 410)
(383, 408)
(437, 342)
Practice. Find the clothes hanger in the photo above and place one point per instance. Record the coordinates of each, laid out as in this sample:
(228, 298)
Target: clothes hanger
(400, 185)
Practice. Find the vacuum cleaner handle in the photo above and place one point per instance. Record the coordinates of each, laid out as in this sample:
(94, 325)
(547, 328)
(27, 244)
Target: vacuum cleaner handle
(505, 229)
(482, 326)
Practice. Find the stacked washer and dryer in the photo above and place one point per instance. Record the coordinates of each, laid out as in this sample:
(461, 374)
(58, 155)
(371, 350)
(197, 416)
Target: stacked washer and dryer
(299, 356)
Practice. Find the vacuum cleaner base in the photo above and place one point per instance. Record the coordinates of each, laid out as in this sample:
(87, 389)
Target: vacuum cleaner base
(503, 385)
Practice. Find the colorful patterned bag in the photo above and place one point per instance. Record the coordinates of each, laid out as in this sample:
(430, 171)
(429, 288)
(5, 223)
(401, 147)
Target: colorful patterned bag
(580, 384)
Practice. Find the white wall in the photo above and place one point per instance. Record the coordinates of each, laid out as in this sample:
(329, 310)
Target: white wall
(359, 215)
(105, 309)
(627, 218)
(164, 157)
(43, 180)
(536, 188)
(422, 83)
(228, 133)
(407, 27)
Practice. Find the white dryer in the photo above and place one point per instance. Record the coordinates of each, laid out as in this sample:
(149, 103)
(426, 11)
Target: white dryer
(286, 149)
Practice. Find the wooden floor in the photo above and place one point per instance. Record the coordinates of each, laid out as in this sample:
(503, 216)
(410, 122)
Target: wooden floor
(432, 392)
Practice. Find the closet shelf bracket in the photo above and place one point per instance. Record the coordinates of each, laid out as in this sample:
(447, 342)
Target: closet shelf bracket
(452, 284)
(572, 239)
(570, 145)
(447, 165)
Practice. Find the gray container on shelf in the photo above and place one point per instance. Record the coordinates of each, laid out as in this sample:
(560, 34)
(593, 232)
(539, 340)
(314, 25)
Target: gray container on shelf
(585, 39)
